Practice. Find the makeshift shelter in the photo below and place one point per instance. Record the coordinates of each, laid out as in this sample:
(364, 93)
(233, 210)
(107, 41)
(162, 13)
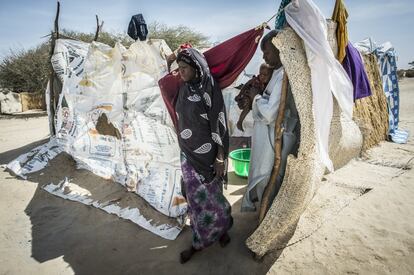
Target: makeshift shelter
(10, 102)
(304, 173)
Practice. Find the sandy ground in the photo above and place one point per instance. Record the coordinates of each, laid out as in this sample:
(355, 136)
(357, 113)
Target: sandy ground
(370, 233)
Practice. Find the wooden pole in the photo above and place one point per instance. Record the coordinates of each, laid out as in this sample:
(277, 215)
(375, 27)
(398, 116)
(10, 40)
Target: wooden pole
(53, 80)
(271, 185)
(57, 20)
(98, 28)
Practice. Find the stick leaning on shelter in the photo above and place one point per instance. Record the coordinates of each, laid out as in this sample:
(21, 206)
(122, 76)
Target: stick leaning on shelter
(271, 186)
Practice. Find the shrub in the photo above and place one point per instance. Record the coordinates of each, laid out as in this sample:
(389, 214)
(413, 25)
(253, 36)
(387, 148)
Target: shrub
(28, 70)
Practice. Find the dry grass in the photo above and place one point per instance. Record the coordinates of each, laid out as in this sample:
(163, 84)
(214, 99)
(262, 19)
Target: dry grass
(371, 112)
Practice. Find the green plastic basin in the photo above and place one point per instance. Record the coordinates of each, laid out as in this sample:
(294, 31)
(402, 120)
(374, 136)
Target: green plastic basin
(241, 159)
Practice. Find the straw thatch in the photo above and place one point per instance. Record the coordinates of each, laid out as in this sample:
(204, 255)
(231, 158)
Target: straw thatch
(371, 112)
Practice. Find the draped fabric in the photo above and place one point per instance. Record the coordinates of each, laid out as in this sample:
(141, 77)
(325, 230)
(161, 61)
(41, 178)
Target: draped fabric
(354, 66)
(226, 61)
(340, 15)
(388, 66)
(327, 74)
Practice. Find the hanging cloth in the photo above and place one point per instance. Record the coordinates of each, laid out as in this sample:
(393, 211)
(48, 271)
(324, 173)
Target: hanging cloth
(280, 21)
(354, 67)
(340, 15)
(388, 65)
(226, 61)
(137, 28)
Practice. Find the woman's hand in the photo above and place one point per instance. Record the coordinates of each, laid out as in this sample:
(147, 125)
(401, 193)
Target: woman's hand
(219, 163)
(219, 166)
(170, 59)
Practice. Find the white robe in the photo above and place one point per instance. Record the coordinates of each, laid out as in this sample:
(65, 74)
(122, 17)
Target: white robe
(264, 111)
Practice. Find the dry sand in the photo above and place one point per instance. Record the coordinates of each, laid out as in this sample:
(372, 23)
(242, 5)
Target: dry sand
(370, 230)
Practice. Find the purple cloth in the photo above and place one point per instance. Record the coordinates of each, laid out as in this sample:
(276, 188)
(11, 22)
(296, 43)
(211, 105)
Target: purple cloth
(354, 66)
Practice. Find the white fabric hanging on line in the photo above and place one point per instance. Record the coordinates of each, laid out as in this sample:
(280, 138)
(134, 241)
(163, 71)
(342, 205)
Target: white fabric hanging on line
(327, 74)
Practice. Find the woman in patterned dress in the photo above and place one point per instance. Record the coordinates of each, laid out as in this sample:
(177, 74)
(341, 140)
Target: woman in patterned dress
(204, 142)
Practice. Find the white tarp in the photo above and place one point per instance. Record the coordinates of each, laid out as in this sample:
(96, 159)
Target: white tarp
(35, 160)
(113, 122)
(122, 130)
(111, 119)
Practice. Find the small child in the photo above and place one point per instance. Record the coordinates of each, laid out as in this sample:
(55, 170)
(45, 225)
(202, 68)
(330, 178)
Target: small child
(257, 82)
(265, 74)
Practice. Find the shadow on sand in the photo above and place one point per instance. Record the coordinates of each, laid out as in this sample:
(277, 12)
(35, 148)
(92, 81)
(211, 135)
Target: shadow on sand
(94, 242)
(8, 156)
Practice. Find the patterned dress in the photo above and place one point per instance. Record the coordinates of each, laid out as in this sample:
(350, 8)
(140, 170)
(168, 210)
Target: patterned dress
(208, 209)
(201, 130)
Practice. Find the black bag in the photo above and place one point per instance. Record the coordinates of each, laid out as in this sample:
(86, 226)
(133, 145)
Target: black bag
(137, 28)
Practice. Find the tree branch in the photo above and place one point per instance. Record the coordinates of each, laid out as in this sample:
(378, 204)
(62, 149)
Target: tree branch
(98, 28)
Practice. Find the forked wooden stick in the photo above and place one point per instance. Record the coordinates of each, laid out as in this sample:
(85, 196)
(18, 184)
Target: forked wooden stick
(271, 185)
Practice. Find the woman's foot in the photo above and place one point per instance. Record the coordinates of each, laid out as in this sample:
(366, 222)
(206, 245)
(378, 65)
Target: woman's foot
(224, 240)
(186, 255)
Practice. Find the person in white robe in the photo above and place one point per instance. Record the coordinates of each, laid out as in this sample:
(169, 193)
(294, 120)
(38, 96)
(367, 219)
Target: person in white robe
(264, 110)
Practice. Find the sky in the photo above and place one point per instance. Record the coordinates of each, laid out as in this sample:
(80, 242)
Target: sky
(23, 23)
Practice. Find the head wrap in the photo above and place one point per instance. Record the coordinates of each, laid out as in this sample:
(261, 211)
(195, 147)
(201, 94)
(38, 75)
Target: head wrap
(196, 59)
(185, 56)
